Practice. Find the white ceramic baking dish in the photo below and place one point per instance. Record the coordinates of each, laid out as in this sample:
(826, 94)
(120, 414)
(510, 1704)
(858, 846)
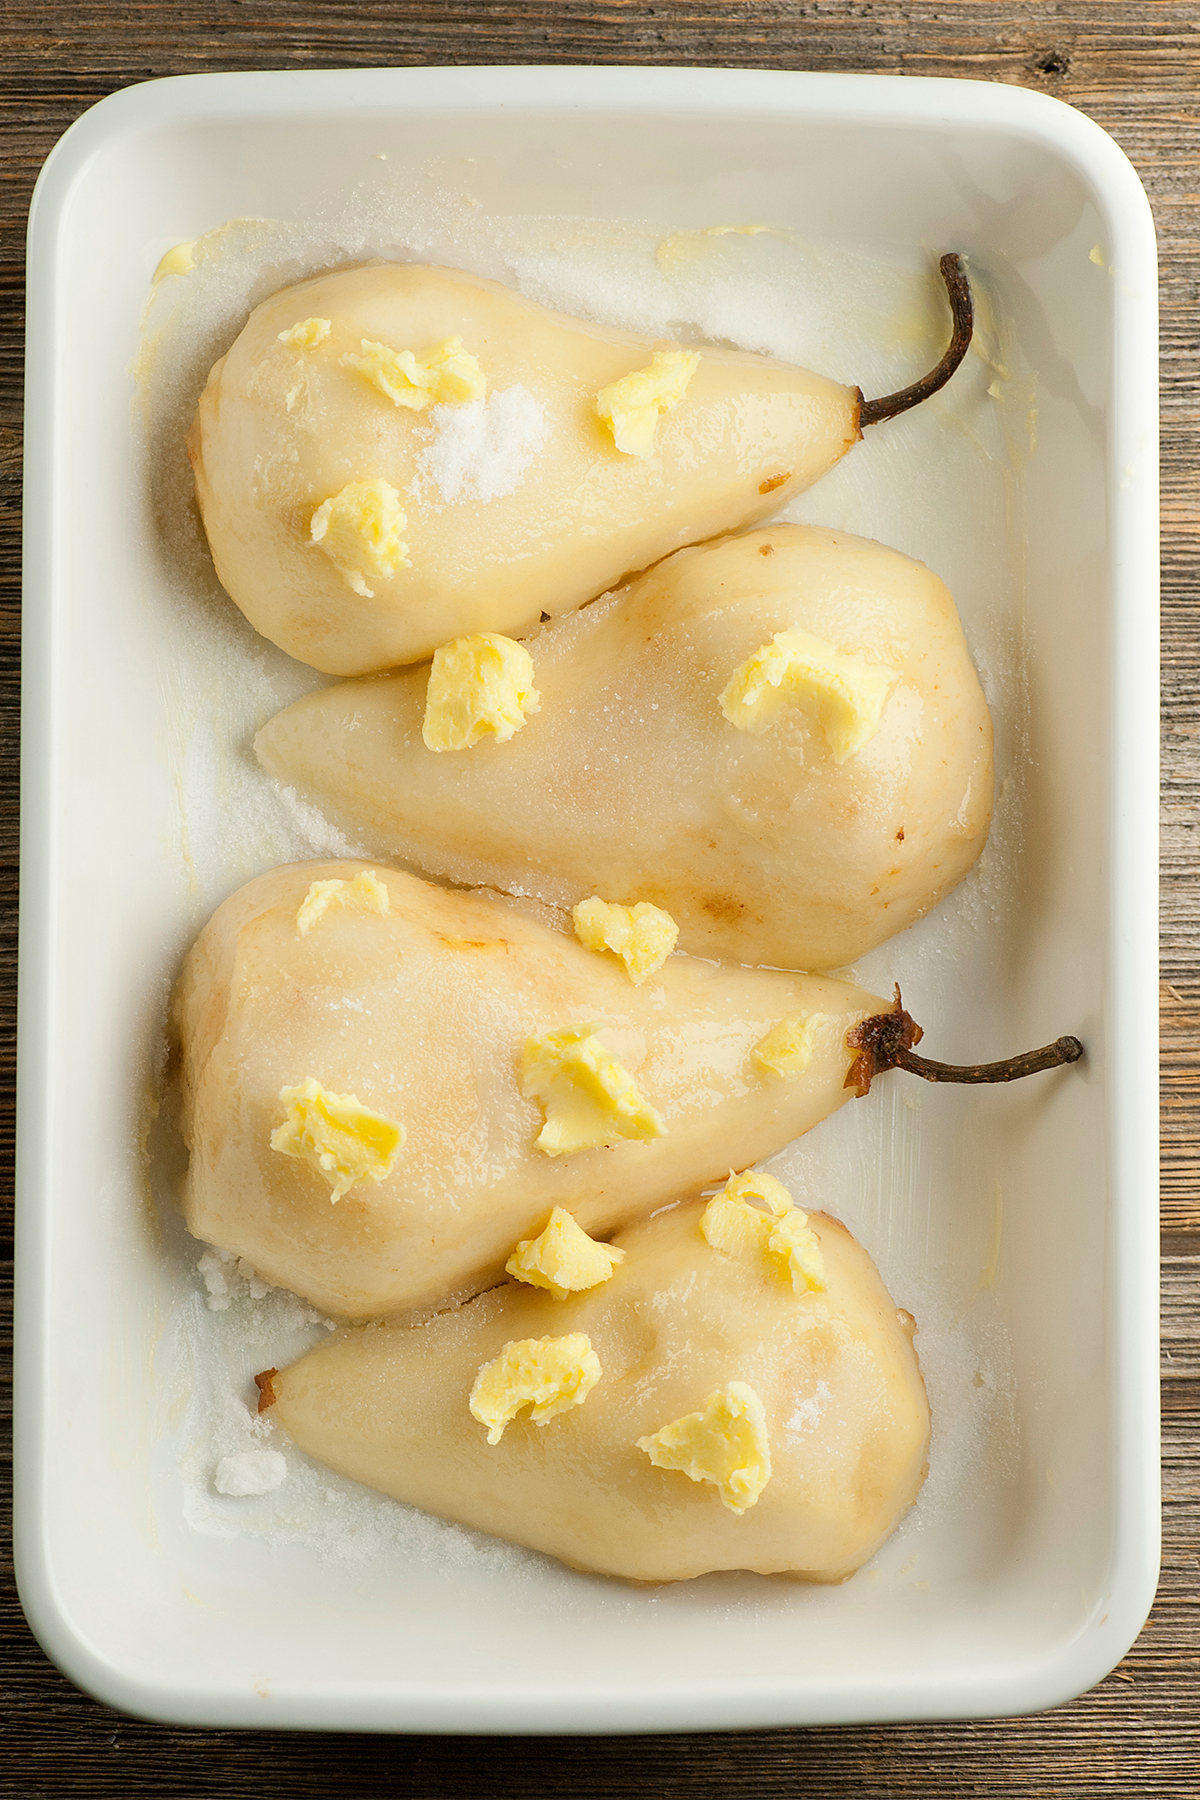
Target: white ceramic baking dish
(1015, 1599)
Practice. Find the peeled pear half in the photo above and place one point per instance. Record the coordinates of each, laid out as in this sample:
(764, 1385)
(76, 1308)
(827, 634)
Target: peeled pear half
(422, 1013)
(513, 505)
(843, 1406)
(631, 782)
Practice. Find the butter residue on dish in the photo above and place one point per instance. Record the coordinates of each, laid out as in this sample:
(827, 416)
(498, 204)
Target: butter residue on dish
(180, 259)
(674, 252)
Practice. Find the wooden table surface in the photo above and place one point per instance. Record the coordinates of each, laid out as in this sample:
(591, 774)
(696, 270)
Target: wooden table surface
(1132, 65)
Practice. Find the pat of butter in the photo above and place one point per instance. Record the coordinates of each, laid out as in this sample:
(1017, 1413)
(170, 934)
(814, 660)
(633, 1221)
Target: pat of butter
(359, 531)
(740, 1219)
(548, 1374)
(307, 334)
(796, 1249)
(336, 1134)
(643, 936)
(479, 687)
(632, 406)
(787, 1049)
(365, 892)
(588, 1098)
(753, 1217)
(563, 1258)
(446, 375)
(726, 1444)
(846, 695)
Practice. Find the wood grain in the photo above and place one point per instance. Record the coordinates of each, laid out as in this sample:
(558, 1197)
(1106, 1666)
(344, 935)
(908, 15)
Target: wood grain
(1134, 66)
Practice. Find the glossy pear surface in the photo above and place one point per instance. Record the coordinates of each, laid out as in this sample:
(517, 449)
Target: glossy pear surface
(279, 430)
(631, 783)
(422, 1013)
(846, 1414)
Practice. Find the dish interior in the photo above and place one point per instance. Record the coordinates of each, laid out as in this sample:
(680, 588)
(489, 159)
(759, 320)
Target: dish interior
(988, 1210)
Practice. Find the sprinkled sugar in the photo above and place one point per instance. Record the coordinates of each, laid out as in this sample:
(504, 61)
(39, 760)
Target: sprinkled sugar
(228, 1278)
(481, 451)
(250, 1472)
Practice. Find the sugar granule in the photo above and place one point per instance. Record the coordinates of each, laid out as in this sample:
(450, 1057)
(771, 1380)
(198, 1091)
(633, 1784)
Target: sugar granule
(324, 838)
(481, 451)
(250, 1472)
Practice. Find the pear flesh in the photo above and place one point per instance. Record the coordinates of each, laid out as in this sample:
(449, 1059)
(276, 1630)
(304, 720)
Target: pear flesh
(836, 1372)
(513, 505)
(631, 782)
(421, 1014)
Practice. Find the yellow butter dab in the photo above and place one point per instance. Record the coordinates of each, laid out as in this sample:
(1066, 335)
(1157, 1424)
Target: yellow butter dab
(632, 406)
(307, 334)
(794, 1246)
(479, 687)
(787, 1049)
(359, 531)
(549, 1374)
(588, 1098)
(446, 375)
(563, 1258)
(339, 1136)
(726, 1444)
(643, 936)
(366, 893)
(753, 1217)
(742, 1216)
(846, 695)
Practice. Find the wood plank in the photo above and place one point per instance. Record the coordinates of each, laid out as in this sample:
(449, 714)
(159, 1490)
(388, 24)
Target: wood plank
(1134, 66)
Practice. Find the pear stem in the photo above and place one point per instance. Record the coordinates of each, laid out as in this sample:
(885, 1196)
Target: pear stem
(885, 1041)
(958, 290)
(1010, 1068)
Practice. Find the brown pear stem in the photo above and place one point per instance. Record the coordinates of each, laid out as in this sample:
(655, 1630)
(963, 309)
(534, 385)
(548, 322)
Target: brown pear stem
(1010, 1068)
(885, 1041)
(958, 289)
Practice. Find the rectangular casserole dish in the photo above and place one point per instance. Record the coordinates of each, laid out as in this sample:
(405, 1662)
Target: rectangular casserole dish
(1028, 1596)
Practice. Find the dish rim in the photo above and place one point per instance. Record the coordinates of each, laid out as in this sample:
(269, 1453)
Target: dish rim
(1035, 118)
